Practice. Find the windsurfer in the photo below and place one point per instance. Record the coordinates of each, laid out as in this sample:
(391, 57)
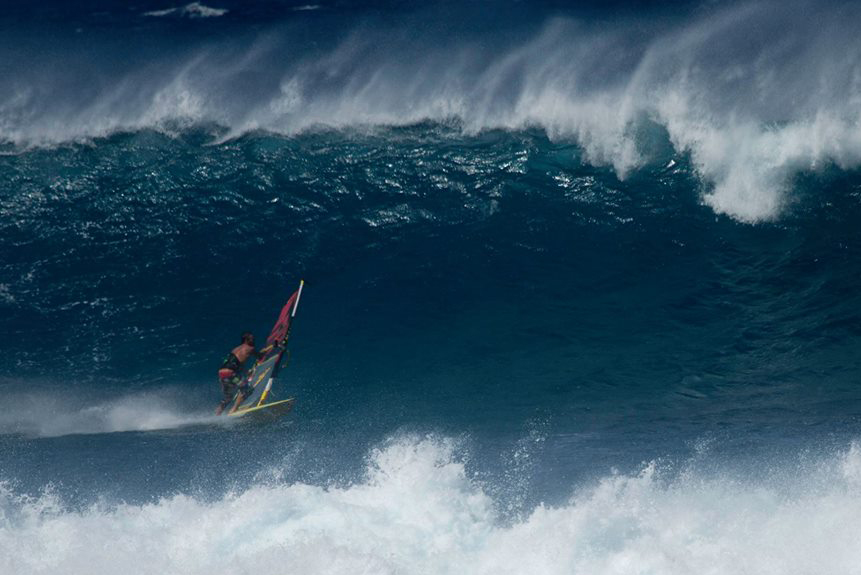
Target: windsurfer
(230, 374)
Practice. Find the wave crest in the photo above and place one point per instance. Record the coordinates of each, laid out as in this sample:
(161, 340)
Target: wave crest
(752, 103)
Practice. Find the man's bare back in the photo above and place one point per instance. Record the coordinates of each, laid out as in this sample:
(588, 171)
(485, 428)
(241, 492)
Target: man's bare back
(243, 351)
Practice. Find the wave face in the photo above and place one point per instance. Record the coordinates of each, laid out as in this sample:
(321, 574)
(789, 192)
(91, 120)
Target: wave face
(581, 287)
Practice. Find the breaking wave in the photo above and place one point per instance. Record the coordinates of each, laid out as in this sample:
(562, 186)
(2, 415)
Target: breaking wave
(418, 510)
(752, 103)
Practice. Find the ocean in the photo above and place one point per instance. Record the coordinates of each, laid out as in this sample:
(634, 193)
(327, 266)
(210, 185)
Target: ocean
(581, 286)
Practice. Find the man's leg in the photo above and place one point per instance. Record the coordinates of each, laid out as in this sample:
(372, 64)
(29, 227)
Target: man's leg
(244, 391)
(228, 390)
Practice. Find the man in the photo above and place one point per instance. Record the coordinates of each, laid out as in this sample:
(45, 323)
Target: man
(230, 374)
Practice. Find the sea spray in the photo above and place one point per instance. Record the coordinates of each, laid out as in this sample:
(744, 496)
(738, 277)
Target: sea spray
(46, 415)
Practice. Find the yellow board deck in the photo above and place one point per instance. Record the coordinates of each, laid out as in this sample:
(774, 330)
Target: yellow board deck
(275, 408)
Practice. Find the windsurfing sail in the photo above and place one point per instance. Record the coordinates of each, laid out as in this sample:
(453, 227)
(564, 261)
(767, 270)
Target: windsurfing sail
(266, 369)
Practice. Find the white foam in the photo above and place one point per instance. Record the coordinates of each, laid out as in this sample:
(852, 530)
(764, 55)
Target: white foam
(193, 10)
(6, 294)
(160, 13)
(418, 512)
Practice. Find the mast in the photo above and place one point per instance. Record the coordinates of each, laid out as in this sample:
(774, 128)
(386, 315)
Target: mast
(283, 345)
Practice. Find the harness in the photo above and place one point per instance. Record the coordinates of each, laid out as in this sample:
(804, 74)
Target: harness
(230, 366)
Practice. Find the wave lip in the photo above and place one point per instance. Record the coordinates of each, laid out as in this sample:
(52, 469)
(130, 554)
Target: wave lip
(417, 511)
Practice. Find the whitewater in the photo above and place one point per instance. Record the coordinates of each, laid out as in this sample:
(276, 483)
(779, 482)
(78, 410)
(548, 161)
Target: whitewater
(418, 511)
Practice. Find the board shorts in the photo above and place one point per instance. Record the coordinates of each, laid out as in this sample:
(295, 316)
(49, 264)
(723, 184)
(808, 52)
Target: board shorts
(230, 385)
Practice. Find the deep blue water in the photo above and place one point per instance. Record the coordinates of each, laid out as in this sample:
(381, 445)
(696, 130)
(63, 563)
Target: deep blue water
(576, 276)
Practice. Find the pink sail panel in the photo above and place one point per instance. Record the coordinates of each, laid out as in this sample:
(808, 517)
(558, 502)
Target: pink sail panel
(282, 326)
